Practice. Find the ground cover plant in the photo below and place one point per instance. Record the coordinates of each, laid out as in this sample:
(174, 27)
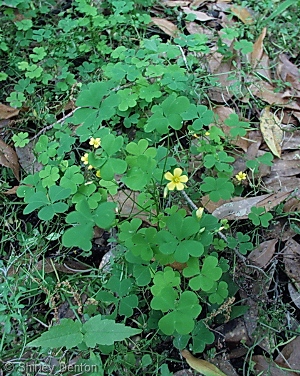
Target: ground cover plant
(149, 156)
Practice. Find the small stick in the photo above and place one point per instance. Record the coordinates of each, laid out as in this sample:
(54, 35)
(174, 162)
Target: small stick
(52, 125)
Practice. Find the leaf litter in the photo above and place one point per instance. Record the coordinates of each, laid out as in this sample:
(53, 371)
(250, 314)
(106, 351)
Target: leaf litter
(280, 181)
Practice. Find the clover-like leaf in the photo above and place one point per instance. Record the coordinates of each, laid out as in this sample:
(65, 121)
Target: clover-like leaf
(209, 274)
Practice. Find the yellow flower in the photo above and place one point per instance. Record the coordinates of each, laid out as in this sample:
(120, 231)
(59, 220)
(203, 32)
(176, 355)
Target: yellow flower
(96, 142)
(241, 176)
(207, 133)
(85, 158)
(90, 167)
(98, 174)
(176, 179)
(199, 212)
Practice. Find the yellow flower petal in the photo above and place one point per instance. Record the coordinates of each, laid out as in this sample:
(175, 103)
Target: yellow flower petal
(177, 172)
(168, 176)
(183, 179)
(179, 186)
(171, 186)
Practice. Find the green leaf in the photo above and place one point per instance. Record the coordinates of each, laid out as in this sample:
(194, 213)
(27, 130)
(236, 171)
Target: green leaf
(218, 188)
(209, 273)
(72, 178)
(142, 274)
(48, 212)
(67, 334)
(182, 318)
(105, 214)
(79, 236)
(57, 193)
(105, 332)
(187, 248)
(182, 228)
(112, 144)
(121, 287)
(37, 200)
(202, 336)
(127, 304)
(165, 300)
(93, 94)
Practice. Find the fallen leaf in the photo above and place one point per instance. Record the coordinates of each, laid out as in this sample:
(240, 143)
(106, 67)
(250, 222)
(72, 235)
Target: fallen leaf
(223, 70)
(264, 366)
(242, 14)
(9, 158)
(258, 49)
(196, 28)
(27, 158)
(200, 16)
(11, 191)
(262, 255)
(7, 112)
(281, 183)
(196, 3)
(295, 295)
(200, 365)
(166, 26)
(175, 3)
(239, 207)
(128, 206)
(288, 72)
(289, 356)
(266, 92)
(271, 131)
(291, 259)
(223, 113)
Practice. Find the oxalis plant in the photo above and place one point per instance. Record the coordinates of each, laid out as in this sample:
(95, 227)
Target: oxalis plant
(166, 274)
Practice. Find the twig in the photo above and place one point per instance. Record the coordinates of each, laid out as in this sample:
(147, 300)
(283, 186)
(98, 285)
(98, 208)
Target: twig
(60, 121)
(183, 57)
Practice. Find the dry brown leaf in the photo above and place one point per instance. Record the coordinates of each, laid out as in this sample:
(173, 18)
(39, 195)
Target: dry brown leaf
(196, 3)
(262, 255)
(200, 16)
(291, 139)
(7, 112)
(185, 372)
(291, 259)
(175, 3)
(223, 113)
(289, 356)
(277, 183)
(127, 205)
(268, 367)
(202, 366)
(258, 49)
(286, 168)
(27, 159)
(288, 72)
(11, 191)
(266, 92)
(9, 158)
(166, 26)
(297, 115)
(271, 131)
(295, 295)
(239, 207)
(223, 69)
(195, 28)
(243, 14)
(292, 205)
(48, 265)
